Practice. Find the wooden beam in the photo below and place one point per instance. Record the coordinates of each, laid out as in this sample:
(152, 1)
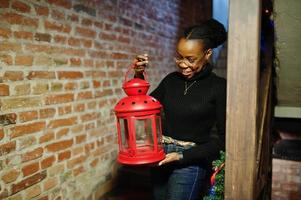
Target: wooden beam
(242, 99)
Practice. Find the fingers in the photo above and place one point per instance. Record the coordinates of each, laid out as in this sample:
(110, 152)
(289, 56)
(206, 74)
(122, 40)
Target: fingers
(170, 157)
(141, 60)
(142, 57)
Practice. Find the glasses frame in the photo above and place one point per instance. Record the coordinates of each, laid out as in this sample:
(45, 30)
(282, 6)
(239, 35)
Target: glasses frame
(191, 62)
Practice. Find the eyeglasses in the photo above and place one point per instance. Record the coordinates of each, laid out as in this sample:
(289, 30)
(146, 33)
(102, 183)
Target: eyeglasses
(190, 59)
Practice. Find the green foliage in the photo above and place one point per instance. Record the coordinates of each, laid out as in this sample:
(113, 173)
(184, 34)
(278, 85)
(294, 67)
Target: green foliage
(217, 190)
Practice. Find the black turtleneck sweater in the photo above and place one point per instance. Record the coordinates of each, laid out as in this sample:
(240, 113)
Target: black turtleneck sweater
(191, 117)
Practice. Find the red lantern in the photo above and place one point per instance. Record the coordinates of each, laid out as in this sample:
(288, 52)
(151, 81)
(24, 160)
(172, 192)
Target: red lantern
(138, 125)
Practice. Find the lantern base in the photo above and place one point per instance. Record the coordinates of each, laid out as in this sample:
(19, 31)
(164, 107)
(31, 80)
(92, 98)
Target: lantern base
(141, 159)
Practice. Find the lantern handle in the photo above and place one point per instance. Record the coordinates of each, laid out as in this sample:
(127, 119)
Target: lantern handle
(131, 67)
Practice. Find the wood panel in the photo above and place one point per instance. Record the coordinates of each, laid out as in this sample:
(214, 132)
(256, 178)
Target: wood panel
(242, 99)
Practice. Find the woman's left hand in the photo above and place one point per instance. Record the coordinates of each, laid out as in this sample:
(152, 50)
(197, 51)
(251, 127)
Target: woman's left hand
(170, 157)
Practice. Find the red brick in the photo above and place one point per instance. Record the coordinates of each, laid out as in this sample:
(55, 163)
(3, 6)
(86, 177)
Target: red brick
(98, 25)
(9, 118)
(69, 75)
(70, 86)
(87, 43)
(75, 161)
(74, 42)
(31, 155)
(89, 126)
(7, 148)
(10, 176)
(73, 18)
(1, 133)
(62, 122)
(20, 6)
(65, 110)
(80, 108)
(60, 39)
(61, 133)
(42, 10)
(23, 60)
(41, 75)
(28, 182)
(23, 35)
(94, 163)
(33, 191)
(47, 113)
(75, 61)
(47, 162)
(85, 32)
(77, 151)
(123, 39)
(74, 52)
(21, 130)
(42, 37)
(44, 198)
(62, 3)
(89, 147)
(119, 56)
(13, 76)
(78, 171)
(46, 138)
(28, 116)
(96, 84)
(58, 146)
(4, 90)
(14, 18)
(80, 138)
(7, 59)
(92, 105)
(8, 46)
(5, 33)
(88, 63)
(86, 22)
(64, 155)
(104, 93)
(60, 98)
(4, 4)
(89, 117)
(50, 183)
(57, 15)
(55, 26)
(30, 169)
(84, 95)
(106, 36)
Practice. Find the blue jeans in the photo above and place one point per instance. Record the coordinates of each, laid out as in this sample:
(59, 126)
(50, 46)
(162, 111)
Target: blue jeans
(175, 181)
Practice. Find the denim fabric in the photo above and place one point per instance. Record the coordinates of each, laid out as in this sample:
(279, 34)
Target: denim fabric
(175, 181)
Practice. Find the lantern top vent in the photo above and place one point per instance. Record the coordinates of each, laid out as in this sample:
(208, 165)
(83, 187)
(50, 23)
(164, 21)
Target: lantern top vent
(136, 86)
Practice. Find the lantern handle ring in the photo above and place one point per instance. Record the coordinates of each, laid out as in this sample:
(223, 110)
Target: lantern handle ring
(131, 67)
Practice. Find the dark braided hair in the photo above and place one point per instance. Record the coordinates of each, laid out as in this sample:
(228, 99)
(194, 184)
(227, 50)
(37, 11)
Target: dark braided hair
(211, 32)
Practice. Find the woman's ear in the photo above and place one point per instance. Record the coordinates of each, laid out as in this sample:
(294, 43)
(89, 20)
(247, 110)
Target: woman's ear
(208, 54)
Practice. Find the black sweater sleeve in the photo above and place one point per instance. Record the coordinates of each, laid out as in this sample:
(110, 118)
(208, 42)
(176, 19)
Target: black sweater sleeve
(209, 151)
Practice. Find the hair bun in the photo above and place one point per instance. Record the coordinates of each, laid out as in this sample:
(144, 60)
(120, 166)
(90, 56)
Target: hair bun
(211, 30)
(218, 33)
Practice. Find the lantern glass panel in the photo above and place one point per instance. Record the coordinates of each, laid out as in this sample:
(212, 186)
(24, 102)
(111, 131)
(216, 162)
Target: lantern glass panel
(144, 135)
(159, 131)
(124, 133)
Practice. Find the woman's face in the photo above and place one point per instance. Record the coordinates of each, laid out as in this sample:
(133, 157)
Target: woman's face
(191, 56)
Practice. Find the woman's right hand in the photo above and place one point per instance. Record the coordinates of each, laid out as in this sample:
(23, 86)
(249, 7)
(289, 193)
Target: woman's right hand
(140, 62)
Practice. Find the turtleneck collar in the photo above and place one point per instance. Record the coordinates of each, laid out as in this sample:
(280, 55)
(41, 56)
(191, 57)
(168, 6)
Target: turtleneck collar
(207, 69)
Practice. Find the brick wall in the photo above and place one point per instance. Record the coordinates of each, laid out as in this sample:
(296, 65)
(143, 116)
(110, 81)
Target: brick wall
(61, 68)
(286, 184)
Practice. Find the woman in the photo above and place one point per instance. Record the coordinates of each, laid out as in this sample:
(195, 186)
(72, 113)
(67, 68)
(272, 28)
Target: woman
(194, 100)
